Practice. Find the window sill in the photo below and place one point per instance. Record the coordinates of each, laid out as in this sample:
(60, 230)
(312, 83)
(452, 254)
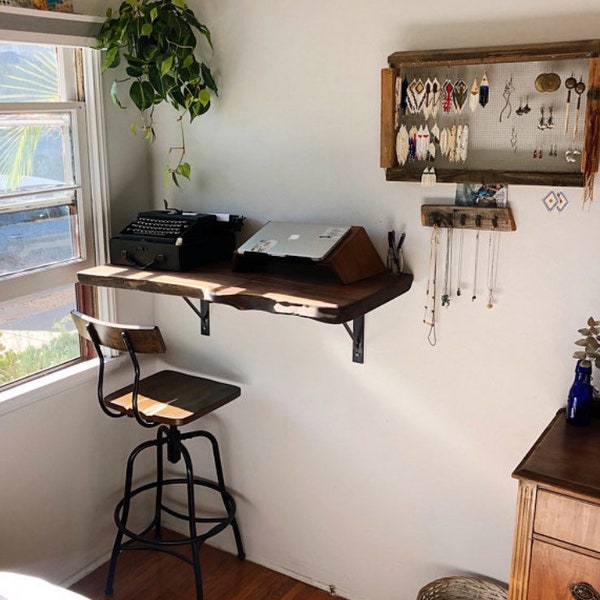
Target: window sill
(51, 384)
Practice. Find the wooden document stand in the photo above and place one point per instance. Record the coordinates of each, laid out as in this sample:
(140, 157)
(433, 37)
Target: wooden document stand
(353, 259)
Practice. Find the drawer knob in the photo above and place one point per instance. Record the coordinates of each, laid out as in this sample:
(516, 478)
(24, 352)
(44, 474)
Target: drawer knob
(583, 591)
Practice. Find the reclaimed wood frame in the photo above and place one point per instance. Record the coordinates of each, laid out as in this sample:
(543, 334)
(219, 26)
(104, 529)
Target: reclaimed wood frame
(588, 49)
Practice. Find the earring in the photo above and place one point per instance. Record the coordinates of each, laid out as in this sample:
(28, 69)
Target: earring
(513, 139)
(568, 155)
(542, 122)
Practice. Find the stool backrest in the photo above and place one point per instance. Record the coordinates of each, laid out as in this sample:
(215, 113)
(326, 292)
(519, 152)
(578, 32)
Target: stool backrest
(132, 339)
(143, 340)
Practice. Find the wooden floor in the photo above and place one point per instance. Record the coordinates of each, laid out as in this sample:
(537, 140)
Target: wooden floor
(143, 575)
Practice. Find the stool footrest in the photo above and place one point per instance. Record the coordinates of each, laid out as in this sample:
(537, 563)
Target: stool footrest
(220, 522)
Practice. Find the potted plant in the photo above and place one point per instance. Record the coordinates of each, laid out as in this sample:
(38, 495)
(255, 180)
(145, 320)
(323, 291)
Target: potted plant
(156, 40)
(581, 393)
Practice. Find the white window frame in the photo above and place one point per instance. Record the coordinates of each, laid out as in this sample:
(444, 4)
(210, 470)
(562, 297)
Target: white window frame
(28, 282)
(40, 28)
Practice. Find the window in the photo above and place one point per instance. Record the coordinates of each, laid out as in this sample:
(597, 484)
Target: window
(46, 212)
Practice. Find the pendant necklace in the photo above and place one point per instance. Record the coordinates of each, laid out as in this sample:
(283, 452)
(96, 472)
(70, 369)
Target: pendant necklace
(447, 291)
(492, 269)
(460, 261)
(474, 296)
(429, 316)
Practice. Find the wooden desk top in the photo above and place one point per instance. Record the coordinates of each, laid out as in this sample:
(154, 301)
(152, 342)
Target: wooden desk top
(298, 296)
(565, 456)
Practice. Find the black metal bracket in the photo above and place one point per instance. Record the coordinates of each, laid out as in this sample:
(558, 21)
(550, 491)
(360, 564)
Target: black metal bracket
(357, 333)
(203, 312)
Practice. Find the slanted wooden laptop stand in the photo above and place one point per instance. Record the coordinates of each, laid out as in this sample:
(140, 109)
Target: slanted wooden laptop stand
(353, 259)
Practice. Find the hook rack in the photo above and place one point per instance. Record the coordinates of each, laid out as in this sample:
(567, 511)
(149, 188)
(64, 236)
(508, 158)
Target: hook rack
(468, 217)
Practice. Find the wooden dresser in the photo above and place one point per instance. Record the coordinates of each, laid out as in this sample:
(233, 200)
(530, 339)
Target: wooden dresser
(557, 533)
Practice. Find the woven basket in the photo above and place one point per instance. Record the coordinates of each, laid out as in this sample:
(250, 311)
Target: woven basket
(462, 588)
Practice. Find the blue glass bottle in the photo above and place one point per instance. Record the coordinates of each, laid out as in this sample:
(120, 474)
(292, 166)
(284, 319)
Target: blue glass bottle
(579, 403)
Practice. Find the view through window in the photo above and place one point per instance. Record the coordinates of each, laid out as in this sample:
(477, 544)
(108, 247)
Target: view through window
(43, 207)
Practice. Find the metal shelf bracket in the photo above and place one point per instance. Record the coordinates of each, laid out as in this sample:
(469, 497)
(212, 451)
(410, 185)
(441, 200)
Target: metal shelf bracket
(203, 312)
(357, 334)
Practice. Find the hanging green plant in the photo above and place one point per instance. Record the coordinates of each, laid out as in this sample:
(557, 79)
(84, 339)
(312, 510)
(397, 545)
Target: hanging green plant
(156, 39)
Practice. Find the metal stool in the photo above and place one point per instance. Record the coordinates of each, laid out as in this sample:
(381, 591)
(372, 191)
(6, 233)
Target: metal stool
(167, 400)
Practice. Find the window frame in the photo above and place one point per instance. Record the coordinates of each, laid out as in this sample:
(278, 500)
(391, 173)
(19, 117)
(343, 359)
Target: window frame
(23, 283)
(93, 185)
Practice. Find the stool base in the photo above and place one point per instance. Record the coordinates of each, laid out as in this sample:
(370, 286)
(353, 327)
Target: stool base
(151, 537)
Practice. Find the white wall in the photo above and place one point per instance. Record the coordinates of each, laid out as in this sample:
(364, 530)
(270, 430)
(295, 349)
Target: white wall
(375, 478)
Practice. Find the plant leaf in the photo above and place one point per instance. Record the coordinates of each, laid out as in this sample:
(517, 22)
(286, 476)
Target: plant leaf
(208, 79)
(581, 342)
(113, 58)
(142, 94)
(146, 29)
(113, 94)
(204, 96)
(593, 343)
(184, 170)
(166, 65)
(179, 4)
(580, 354)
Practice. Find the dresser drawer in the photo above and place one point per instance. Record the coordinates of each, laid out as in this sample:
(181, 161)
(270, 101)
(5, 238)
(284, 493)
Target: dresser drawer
(567, 519)
(554, 569)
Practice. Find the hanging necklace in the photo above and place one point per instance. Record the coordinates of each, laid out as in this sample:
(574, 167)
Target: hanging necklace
(460, 261)
(447, 292)
(492, 269)
(474, 296)
(429, 316)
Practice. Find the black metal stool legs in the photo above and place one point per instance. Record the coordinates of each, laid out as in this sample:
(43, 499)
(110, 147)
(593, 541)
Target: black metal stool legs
(176, 450)
(222, 489)
(125, 503)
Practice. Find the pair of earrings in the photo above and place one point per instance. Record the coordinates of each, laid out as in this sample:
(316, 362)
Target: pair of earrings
(548, 123)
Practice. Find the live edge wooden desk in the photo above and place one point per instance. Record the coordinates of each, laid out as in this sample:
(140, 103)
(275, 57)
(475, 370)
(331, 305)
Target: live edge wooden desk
(297, 295)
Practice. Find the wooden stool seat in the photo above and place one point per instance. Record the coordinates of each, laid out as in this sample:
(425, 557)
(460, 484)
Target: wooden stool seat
(173, 398)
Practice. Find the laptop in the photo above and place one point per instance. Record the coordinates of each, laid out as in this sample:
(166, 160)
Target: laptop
(300, 240)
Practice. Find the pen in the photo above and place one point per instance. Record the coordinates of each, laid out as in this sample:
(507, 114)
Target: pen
(402, 238)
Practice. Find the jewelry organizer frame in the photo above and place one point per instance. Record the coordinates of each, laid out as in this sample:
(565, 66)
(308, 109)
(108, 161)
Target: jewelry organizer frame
(401, 62)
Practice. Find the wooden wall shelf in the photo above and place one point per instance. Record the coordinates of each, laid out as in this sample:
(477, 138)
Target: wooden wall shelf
(491, 157)
(468, 217)
(296, 294)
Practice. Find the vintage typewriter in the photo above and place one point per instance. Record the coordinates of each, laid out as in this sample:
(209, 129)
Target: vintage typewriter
(175, 240)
